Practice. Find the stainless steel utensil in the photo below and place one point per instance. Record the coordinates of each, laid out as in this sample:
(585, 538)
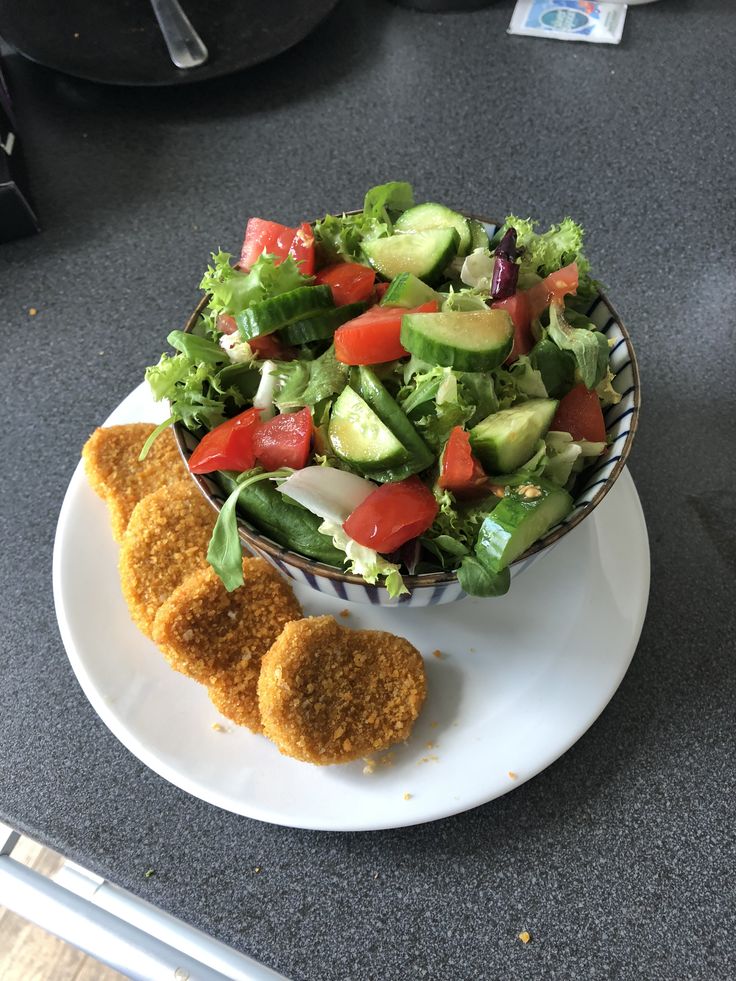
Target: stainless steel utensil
(186, 47)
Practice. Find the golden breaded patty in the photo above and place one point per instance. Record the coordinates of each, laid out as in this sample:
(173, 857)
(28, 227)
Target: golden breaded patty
(219, 638)
(111, 463)
(166, 541)
(328, 694)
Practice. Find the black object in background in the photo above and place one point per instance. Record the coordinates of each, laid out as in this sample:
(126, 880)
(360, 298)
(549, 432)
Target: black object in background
(119, 41)
(16, 215)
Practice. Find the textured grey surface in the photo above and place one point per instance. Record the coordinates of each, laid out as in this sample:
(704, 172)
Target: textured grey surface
(619, 858)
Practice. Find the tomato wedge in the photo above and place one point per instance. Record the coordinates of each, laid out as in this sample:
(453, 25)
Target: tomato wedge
(553, 287)
(379, 291)
(228, 446)
(284, 441)
(265, 236)
(392, 515)
(579, 413)
(460, 472)
(226, 324)
(349, 281)
(374, 336)
(302, 248)
(517, 307)
(268, 346)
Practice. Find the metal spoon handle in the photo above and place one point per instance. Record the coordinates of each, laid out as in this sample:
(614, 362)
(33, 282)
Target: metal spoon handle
(186, 47)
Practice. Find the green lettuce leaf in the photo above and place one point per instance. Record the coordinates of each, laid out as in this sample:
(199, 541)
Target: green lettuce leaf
(196, 348)
(365, 562)
(470, 299)
(527, 379)
(232, 290)
(192, 389)
(455, 528)
(309, 382)
(386, 200)
(589, 347)
(437, 399)
(478, 580)
(566, 456)
(605, 390)
(340, 237)
(548, 251)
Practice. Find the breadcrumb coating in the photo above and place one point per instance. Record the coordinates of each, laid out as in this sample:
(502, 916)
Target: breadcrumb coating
(219, 638)
(166, 541)
(111, 463)
(329, 694)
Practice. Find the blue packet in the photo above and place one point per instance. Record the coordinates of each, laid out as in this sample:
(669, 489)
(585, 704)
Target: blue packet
(569, 20)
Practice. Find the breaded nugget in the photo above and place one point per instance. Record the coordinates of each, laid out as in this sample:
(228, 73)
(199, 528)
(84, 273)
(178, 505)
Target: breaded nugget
(166, 541)
(111, 463)
(219, 638)
(328, 694)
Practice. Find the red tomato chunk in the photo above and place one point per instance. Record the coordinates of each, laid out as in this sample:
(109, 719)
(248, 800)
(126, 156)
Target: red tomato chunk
(579, 413)
(228, 446)
(392, 515)
(349, 281)
(302, 248)
(460, 472)
(284, 441)
(517, 307)
(374, 336)
(265, 236)
(555, 287)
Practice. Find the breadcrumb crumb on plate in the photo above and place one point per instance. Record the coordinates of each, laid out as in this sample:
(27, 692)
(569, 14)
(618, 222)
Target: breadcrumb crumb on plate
(112, 467)
(329, 694)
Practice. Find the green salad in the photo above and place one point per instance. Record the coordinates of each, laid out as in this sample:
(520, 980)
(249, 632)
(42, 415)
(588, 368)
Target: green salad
(393, 392)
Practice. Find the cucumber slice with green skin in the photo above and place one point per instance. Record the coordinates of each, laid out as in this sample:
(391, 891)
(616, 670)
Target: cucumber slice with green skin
(407, 291)
(393, 416)
(359, 437)
(520, 518)
(280, 311)
(429, 215)
(505, 440)
(556, 367)
(394, 474)
(321, 326)
(425, 254)
(478, 235)
(475, 340)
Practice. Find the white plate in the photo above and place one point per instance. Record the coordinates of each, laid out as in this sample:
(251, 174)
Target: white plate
(520, 678)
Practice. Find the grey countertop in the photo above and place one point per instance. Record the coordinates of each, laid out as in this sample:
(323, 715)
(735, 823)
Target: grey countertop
(619, 858)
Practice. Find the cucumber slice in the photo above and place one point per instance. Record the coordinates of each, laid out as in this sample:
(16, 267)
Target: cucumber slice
(475, 340)
(359, 437)
(505, 440)
(321, 326)
(407, 291)
(478, 235)
(280, 311)
(392, 415)
(520, 518)
(430, 215)
(425, 254)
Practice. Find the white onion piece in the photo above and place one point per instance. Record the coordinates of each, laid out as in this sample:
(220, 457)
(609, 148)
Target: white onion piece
(331, 494)
(263, 398)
